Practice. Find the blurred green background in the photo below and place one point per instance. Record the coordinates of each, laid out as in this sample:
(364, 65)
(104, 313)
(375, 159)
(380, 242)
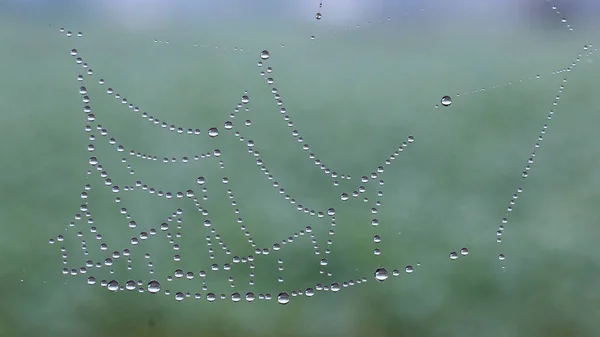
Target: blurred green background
(355, 93)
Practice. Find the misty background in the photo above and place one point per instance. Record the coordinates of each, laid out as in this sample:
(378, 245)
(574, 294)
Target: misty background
(369, 78)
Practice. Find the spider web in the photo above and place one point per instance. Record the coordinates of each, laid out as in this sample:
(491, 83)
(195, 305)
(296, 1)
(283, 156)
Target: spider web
(194, 201)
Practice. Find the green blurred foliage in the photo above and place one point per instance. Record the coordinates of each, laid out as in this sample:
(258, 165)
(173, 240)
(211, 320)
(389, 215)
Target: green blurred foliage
(354, 97)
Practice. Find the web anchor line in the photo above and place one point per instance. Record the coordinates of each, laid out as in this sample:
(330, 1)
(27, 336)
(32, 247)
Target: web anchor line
(531, 159)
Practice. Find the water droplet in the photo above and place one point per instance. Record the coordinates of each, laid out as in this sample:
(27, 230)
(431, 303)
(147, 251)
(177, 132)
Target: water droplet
(265, 54)
(113, 285)
(409, 269)
(464, 251)
(283, 298)
(236, 297)
(453, 256)
(501, 257)
(335, 287)
(446, 101)
(73, 52)
(318, 16)
(153, 286)
(381, 274)
(213, 132)
(309, 292)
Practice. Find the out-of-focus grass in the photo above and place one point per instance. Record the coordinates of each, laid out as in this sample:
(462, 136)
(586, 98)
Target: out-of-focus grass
(354, 98)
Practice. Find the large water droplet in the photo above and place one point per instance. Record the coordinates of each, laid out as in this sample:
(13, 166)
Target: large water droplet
(283, 298)
(153, 286)
(335, 287)
(381, 274)
(446, 100)
(265, 54)
(213, 132)
(113, 285)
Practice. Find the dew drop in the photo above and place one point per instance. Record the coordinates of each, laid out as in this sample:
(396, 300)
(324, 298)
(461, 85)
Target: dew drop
(318, 16)
(464, 251)
(113, 285)
(453, 256)
(236, 297)
(265, 54)
(283, 298)
(381, 274)
(446, 101)
(213, 132)
(153, 286)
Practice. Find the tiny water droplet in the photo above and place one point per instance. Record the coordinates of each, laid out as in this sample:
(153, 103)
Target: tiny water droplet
(265, 54)
(453, 256)
(318, 16)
